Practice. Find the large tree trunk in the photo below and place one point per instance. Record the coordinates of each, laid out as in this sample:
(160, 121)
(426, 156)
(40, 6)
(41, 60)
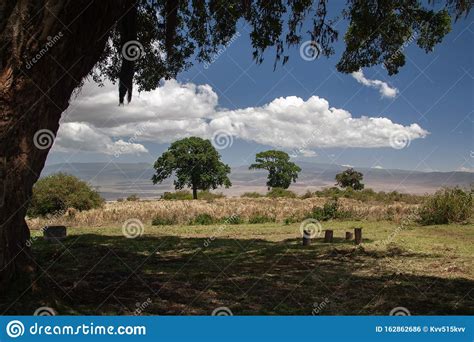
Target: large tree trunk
(47, 48)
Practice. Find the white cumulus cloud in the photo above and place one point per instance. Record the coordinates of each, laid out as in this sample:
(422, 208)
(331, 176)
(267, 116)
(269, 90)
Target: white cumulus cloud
(94, 121)
(384, 89)
(84, 137)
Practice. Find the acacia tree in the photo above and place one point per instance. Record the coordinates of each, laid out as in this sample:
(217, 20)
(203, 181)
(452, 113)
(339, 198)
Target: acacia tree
(350, 178)
(281, 171)
(195, 163)
(49, 46)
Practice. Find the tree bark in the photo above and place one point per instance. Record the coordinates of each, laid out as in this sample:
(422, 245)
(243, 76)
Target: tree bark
(195, 193)
(48, 47)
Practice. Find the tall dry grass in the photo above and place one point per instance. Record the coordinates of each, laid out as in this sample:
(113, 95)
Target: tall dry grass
(182, 212)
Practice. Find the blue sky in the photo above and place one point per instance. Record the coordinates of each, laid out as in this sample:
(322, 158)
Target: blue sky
(435, 91)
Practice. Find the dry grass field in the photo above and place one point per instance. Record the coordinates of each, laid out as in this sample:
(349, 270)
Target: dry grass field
(183, 211)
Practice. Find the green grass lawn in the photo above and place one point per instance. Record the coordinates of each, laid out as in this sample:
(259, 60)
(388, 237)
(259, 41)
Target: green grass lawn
(253, 270)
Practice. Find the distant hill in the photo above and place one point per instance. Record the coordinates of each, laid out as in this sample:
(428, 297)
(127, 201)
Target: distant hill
(118, 180)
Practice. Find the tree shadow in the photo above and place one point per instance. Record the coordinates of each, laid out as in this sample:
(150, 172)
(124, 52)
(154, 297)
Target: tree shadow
(94, 274)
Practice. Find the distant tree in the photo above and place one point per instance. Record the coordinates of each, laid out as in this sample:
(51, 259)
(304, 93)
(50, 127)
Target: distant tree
(281, 172)
(195, 163)
(350, 179)
(58, 192)
(133, 198)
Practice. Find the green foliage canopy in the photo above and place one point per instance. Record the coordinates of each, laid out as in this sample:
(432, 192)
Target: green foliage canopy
(281, 172)
(171, 33)
(350, 179)
(58, 192)
(195, 163)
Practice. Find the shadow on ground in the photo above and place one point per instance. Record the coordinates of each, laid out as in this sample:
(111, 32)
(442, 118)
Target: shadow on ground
(104, 275)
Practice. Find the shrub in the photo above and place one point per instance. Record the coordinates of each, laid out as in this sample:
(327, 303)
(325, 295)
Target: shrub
(133, 198)
(330, 210)
(307, 194)
(446, 206)
(234, 219)
(368, 194)
(327, 212)
(209, 196)
(203, 219)
(289, 220)
(187, 195)
(178, 195)
(162, 221)
(280, 192)
(56, 193)
(252, 194)
(256, 219)
(119, 199)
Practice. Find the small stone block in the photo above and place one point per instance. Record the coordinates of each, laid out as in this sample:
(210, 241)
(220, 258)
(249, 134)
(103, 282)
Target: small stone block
(54, 233)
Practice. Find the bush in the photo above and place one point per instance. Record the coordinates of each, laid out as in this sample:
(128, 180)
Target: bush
(449, 205)
(203, 219)
(187, 195)
(234, 219)
(252, 194)
(368, 194)
(133, 198)
(209, 196)
(307, 194)
(177, 195)
(280, 192)
(162, 221)
(260, 219)
(58, 192)
(329, 211)
(289, 220)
